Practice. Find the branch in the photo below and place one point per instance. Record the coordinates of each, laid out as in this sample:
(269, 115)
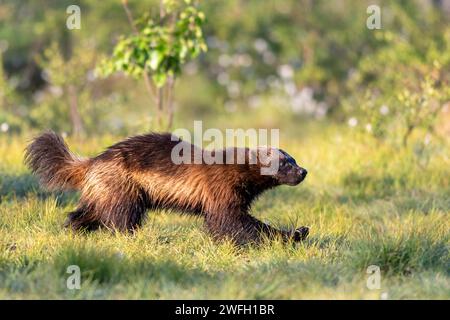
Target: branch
(129, 16)
(148, 84)
(169, 99)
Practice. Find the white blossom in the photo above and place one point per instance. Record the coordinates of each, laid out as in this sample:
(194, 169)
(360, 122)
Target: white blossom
(290, 88)
(233, 89)
(303, 102)
(243, 60)
(268, 57)
(260, 45)
(4, 127)
(225, 60)
(384, 110)
(56, 91)
(352, 122)
(286, 71)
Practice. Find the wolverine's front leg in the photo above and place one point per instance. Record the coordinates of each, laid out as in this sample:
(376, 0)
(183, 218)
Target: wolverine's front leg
(243, 228)
(296, 235)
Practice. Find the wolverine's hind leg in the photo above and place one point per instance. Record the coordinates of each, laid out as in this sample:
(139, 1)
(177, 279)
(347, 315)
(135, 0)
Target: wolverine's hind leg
(110, 198)
(122, 212)
(81, 219)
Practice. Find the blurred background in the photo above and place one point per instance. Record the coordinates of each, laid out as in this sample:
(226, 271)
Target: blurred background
(269, 64)
(359, 91)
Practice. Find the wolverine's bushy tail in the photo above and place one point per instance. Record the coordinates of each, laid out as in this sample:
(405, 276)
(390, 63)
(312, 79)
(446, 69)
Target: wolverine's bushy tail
(50, 159)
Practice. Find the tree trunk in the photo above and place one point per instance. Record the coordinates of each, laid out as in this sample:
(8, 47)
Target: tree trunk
(154, 95)
(160, 106)
(169, 101)
(75, 118)
(407, 134)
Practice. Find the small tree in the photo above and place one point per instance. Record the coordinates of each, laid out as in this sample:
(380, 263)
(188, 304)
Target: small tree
(400, 90)
(11, 117)
(70, 74)
(6, 92)
(157, 49)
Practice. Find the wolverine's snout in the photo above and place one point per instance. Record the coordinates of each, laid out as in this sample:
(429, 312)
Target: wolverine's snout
(302, 172)
(297, 175)
(291, 176)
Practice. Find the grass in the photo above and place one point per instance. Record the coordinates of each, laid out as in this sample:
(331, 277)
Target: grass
(366, 204)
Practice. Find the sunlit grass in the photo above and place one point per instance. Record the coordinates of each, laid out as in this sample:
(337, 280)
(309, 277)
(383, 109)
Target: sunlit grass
(365, 204)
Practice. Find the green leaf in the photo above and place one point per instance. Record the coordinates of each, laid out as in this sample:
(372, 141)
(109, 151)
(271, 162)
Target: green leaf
(155, 59)
(159, 79)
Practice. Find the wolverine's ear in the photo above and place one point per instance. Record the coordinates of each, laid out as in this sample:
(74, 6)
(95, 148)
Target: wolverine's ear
(286, 156)
(175, 138)
(263, 155)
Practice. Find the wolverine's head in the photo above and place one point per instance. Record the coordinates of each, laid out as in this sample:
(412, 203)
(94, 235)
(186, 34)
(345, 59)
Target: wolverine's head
(289, 172)
(280, 165)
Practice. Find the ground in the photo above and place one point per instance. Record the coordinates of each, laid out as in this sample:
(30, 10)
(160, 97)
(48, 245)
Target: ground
(366, 203)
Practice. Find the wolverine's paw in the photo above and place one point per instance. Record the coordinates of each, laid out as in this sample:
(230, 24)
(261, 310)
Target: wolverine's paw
(300, 234)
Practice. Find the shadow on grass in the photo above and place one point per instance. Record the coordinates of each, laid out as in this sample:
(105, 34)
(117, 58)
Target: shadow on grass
(395, 255)
(324, 242)
(102, 266)
(26, 185)
(399, 256)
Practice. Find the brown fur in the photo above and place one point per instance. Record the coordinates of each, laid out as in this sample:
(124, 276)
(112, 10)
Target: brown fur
(122, 183)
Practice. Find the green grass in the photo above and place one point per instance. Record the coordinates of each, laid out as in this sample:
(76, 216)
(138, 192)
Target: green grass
(366, 204)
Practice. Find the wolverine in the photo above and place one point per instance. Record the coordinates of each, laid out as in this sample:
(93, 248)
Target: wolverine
(138, 174)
